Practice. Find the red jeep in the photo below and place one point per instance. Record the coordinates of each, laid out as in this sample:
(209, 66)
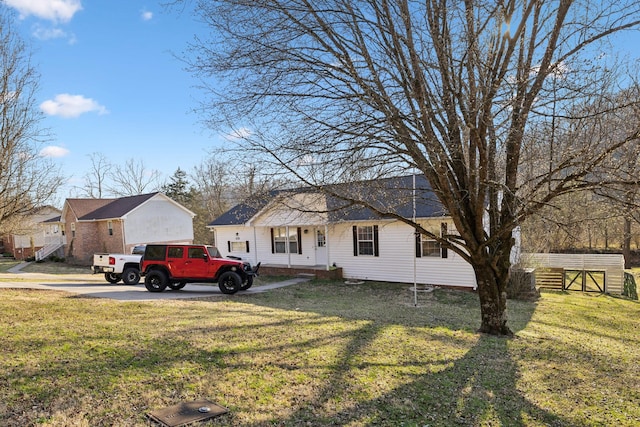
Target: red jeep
(176, 265)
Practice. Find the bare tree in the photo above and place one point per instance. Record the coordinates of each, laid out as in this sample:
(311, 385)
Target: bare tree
(95, 179)
(27, 179)
(211, 180)
(371, 88)
(133, 178)
(624, 166)
(104, 179)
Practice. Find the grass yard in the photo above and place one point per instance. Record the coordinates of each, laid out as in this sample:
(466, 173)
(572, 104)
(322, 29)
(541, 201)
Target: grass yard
(7, 263)
(320, 354)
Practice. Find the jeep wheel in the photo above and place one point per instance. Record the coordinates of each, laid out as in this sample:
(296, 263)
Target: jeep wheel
(229, 282)
(112, 277)
(248, 284)
(131, 276)
(155, 281)
(177, 286)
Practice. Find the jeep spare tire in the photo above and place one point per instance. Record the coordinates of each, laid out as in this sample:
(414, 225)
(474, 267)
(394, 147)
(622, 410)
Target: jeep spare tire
(229, 282)
(156, 281)
(131, 276)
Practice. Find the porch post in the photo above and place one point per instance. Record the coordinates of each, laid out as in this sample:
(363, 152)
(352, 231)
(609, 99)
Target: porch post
(326, 244)
(287, 246)
(255, 246)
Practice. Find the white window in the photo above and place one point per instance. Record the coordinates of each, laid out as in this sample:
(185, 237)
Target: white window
(427, 246)
(239, 246)
(365, 240)
(284, 239)
(110, 228)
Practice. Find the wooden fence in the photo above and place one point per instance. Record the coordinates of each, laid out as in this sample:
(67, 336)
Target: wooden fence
(550, 269)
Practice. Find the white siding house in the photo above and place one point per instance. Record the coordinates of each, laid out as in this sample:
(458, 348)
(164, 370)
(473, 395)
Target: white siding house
(159, 219)
(118, 225)
(306, 229)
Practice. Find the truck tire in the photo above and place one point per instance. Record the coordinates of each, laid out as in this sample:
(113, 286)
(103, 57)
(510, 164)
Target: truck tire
(177, 286)
(156, 281)
(131, 276)
(248, 284)
(229, 282)
(112, 278)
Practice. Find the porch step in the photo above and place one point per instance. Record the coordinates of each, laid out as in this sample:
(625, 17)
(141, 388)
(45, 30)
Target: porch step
(306, 275)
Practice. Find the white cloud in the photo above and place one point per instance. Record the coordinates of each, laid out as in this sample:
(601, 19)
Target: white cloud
(240, 133)
(52, 10)
(53, 151)
(43, 33)
(68, 106)
(146, 15)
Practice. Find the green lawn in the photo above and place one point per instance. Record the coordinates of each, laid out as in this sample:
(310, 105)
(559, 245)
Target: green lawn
(7, 263)
(320, 353)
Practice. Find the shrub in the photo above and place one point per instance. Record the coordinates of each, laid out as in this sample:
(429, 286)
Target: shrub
(629, 289)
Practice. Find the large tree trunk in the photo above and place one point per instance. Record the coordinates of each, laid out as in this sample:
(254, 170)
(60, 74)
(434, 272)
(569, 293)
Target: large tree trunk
(492, 291)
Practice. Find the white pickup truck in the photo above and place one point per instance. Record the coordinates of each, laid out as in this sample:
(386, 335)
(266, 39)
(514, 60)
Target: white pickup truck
(118, 267)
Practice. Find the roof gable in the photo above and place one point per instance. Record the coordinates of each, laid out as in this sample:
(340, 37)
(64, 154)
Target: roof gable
(243, 212)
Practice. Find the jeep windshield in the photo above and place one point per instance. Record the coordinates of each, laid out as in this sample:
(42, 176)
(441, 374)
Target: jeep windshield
(213, 252)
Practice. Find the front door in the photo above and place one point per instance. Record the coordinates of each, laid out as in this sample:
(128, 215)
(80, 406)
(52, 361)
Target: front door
(321, 247)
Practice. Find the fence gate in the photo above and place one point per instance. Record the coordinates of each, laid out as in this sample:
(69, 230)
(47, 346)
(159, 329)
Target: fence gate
(584, 280)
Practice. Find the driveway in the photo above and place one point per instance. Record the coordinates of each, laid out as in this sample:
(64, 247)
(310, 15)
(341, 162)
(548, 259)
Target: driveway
(95, 286)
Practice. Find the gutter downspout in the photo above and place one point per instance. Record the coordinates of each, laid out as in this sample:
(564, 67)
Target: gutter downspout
(124, 240)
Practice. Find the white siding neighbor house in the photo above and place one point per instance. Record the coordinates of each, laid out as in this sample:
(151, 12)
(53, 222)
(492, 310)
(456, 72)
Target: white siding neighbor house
(303, 228)
(118, 225)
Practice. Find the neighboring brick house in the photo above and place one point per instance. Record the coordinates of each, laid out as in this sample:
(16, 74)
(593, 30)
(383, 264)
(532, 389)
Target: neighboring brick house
(38, 230)
(117, 225)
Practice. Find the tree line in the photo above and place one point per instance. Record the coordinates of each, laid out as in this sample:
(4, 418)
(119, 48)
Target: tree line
(208, 190)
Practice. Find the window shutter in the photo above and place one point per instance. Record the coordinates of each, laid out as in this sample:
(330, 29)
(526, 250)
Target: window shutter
(376, 252)
(299, 240)
(444, 251)
(228, 245)
(355, 240)
(273, 247)
(418, 244)
(248, 246)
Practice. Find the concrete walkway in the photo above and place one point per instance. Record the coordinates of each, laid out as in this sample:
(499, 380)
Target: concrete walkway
(91, 285)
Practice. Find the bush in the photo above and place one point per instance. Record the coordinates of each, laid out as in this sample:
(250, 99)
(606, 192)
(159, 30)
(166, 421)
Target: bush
(522, 285)
(630, 290)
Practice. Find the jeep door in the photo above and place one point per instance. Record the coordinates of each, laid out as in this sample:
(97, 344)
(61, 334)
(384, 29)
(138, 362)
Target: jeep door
(176, 260)
(197, 263)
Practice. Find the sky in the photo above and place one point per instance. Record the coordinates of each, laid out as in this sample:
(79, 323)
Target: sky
(110, 83)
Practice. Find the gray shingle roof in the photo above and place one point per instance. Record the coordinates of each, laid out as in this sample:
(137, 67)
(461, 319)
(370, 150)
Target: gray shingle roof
(389, 195)
(117, 208)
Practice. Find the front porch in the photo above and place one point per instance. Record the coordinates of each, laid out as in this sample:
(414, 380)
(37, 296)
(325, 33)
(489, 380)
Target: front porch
(317, 271)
